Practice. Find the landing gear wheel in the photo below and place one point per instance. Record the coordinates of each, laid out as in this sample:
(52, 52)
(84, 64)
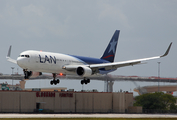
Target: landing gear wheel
(55, 82)
(51, 82)
(26, 77)
(82, 82)
(27, 73)
(88, 80)
(85, 81)
(58, 81)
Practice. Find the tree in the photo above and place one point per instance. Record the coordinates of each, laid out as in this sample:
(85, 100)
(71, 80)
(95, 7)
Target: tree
(157, 100)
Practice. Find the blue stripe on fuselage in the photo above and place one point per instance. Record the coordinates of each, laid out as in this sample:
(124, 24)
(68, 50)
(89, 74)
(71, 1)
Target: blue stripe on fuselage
(90, 60)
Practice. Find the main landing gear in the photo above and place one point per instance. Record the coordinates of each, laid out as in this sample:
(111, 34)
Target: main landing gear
(85, 81)
(54, 81)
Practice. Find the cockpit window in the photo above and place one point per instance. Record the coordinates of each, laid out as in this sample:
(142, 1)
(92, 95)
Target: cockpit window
(27, 56)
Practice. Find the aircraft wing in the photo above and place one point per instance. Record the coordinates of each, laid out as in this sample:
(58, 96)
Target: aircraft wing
(8, 56)
(115, 65)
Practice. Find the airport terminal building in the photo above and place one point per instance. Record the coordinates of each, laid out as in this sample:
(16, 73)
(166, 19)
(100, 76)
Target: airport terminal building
(66, 102)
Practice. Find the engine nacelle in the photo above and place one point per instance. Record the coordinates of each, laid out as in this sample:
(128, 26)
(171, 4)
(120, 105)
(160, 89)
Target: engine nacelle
(32, 74)
(84, 71)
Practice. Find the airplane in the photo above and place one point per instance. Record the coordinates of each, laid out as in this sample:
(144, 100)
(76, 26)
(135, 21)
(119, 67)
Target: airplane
(34, 63)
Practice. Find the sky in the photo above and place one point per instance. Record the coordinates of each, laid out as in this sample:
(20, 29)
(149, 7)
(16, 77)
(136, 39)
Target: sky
(85, 27)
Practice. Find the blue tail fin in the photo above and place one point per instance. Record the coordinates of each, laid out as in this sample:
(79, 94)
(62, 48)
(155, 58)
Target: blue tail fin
(110, 51)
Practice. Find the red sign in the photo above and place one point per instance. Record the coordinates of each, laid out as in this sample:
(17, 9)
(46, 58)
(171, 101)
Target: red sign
(66, 95)
(45, 94)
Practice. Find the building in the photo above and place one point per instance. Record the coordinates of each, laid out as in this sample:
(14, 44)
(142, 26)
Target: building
(65, 102)
(150, 89)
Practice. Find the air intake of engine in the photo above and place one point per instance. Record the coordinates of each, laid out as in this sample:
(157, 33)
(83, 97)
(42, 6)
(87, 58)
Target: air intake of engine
(80, 71)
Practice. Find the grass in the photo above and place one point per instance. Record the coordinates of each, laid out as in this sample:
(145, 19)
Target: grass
(87, 118)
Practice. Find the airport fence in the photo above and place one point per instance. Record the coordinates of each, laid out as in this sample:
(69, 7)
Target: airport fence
(62, 111)
(154, 111)
(86, 111)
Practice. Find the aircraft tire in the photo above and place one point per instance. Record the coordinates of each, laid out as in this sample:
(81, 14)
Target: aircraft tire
(88, 80)
(26, 77)
(58, 81)
(55, 82)
(82, 82)
(51, 82)
(85, 81)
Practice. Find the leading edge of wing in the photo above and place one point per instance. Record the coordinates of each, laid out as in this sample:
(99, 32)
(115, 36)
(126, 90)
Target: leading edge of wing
(116, 65)
(129, 62)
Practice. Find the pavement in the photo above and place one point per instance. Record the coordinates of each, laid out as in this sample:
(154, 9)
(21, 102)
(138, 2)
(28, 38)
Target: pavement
(88, 116)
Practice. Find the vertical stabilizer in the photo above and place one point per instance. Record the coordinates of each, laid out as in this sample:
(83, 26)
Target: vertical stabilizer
(110, 51)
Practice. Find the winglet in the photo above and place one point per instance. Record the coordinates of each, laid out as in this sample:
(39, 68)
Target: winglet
(8, 56)
(166, 53)
(9, 52)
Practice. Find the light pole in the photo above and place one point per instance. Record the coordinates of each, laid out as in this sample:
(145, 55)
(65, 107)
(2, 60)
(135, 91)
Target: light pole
(158, 74)
(17, 71)
(12, 74)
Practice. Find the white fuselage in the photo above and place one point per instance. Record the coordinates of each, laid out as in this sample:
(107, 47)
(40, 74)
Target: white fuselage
(48, 62)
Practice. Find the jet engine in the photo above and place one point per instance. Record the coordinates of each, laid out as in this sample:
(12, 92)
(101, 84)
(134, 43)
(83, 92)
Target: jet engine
(35, 74)
(31, 74)
(84, 71)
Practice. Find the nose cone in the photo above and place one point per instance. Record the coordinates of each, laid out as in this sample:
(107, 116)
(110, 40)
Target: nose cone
(21, 62)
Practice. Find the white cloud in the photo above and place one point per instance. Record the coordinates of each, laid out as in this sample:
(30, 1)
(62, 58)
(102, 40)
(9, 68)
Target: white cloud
(31, 10)
(90, 23)
(113, 13)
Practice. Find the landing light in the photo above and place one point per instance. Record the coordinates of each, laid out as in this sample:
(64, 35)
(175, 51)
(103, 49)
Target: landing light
(61, 74)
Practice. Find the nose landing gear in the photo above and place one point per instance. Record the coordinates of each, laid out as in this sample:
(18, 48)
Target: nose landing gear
(27, 73)
(55, 82)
